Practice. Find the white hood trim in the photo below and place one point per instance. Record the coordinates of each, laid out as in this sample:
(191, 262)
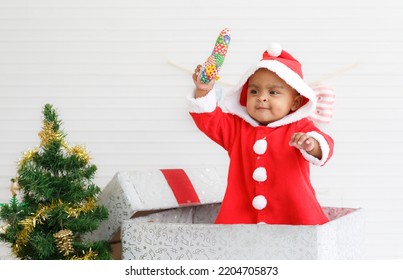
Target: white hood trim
(232, 99)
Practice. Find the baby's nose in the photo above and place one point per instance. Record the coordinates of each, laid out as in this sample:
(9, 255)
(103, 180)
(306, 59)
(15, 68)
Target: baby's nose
(263, 97)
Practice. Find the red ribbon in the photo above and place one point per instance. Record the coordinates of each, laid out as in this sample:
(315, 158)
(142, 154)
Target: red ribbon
(181, 186)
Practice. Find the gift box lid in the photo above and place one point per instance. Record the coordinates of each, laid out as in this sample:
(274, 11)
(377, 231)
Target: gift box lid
(139, 192)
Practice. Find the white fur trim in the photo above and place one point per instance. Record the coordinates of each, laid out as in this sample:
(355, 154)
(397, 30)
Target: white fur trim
(274, 49)
(205, 104)
(232, 99)
(232, 105)
(323, 145)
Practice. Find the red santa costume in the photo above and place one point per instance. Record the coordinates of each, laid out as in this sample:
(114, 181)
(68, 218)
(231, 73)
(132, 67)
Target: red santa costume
(268, 180)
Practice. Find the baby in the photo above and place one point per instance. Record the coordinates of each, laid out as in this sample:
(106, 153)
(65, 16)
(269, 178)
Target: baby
(270, 142)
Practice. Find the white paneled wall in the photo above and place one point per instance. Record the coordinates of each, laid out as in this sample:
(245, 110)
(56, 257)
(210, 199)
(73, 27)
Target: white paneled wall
(104, 64)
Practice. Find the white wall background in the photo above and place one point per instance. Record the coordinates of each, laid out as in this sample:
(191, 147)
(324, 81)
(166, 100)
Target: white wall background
(104, 65)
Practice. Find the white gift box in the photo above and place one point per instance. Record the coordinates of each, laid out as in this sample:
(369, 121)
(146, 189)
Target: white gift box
(169, 214)
(188, 233)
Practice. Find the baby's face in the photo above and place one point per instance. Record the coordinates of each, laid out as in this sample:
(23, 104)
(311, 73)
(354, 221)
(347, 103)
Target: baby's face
(269, 97)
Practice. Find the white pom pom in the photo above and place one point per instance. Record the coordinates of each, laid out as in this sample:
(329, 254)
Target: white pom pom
(260, 174)
(259, 202)
(260, 146)
(274, 49)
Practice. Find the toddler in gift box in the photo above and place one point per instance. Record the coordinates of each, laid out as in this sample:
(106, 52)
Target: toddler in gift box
(270, 140)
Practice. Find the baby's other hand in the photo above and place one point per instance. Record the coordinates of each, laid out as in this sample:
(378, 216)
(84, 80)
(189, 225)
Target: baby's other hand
(303, 141)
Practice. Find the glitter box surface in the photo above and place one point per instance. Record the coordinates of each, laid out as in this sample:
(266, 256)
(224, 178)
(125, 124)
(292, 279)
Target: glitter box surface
(149, 220)
(188, 233)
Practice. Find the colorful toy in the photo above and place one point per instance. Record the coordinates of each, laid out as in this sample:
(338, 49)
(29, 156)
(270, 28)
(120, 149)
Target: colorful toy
(213, 64)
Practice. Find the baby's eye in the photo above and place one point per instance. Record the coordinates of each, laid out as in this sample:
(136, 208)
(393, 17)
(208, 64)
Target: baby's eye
(273, 92)
(253, 91)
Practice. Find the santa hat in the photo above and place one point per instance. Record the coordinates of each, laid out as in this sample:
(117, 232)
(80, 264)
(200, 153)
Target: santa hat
(287, 68)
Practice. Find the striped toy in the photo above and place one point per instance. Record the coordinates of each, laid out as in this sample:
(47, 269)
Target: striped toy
(325, 98)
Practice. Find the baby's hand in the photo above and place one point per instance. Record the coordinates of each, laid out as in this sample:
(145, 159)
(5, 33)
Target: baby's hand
(303, 141)
(201, 88)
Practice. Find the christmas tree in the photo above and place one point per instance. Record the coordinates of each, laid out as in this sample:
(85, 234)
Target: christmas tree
(58, 200)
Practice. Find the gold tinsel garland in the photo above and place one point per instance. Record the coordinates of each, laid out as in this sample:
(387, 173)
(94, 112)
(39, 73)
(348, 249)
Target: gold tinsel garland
(90, 255)
(85, 208)
(28, 225)
(79, 151)
(27, 156)
(42, 214)
(48, 134)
